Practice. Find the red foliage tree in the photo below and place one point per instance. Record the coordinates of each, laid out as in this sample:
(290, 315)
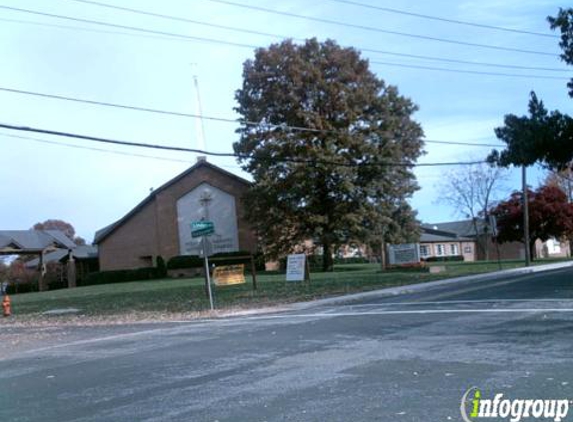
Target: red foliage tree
(550, 216)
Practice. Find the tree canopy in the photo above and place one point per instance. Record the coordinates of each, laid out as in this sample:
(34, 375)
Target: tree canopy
(349, 174)
(550, 216)
(543, 136)
(540, 137)
(564, 22)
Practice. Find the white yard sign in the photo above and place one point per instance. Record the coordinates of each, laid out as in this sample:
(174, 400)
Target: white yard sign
(407, 253)
(295, 267)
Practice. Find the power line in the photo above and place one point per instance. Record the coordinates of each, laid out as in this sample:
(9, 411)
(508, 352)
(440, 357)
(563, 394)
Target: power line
(97, 31)
(170, 36)
(266, 34)
(471, 72)
(218, 119)
(109, 151)
(368, 28)
(432, 141)
(379, 30)
(442, 19)
(178, 18)
(170, 113)
(130, 28)
(45, 141)
(228, 154)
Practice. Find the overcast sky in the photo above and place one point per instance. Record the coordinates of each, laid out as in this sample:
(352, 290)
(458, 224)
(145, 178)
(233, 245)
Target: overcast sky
(92, 188)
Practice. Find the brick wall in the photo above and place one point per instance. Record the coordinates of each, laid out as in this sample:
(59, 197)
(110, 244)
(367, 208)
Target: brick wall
(153, 230)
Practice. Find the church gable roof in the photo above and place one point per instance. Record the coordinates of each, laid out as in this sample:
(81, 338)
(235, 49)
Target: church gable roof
(201, 163)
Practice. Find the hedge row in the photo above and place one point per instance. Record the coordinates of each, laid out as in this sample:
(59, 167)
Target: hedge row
(194, 261)
(353, 260)
(184, 261)
(444, 258)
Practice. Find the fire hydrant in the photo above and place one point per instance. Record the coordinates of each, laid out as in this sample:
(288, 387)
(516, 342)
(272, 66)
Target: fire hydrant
(7, 306)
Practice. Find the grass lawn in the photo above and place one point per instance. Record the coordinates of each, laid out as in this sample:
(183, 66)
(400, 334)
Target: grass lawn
(169, 296)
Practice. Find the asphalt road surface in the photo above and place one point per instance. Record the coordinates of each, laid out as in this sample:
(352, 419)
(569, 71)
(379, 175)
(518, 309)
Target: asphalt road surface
(405, 358)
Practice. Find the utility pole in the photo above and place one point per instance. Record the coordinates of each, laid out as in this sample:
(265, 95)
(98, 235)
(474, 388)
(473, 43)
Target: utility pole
(525, 216)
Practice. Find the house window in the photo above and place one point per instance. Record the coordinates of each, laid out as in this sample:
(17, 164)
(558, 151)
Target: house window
(424, 251)
(454, 249)
(440, 250)
(467, 249)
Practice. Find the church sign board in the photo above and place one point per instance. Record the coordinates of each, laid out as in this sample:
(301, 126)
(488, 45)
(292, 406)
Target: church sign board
(407, 253)
(207, 203)
(227, 275)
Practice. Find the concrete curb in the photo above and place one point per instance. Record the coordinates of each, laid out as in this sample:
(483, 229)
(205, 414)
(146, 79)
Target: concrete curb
(430, 285)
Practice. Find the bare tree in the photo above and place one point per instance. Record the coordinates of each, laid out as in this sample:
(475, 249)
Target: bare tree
(562, 179)
(472, 190)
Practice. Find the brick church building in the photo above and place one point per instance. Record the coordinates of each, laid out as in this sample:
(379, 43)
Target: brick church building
(160, 225)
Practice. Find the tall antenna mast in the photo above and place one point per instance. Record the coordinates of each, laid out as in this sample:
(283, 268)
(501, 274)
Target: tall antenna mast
(199, 128)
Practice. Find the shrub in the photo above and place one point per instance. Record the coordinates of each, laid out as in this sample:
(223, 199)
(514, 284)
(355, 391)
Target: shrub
(449, 258)
(233, 259)
(412, 267)
(232, 254)
(184, 261)
(353, 260)
(120, 276)
(161, 267)
(17, 287)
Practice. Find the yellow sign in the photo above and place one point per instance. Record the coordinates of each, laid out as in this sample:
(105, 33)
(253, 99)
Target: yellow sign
(226, 275)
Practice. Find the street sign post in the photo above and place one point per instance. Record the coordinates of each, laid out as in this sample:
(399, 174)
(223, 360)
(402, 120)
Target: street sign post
(203, 229)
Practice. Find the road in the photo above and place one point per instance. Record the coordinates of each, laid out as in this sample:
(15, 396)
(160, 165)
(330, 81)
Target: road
(404, 358)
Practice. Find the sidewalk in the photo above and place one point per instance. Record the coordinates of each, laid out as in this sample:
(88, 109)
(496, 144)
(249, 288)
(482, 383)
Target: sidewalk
(413, 288)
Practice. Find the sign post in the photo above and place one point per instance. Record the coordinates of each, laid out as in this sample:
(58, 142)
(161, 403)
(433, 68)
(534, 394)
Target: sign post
(203, 229)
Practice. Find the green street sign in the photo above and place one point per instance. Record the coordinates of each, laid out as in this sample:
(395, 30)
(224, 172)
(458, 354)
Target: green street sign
(202, 228)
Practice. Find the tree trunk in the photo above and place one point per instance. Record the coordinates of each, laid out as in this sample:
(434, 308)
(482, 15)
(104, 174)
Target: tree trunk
(486, 236)
(382, 255)
(327, 261)
(479, 241)
(41, 279)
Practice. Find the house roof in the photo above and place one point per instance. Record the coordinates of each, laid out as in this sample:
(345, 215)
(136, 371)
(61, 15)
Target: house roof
(463, 228)
(107, 230)
(79, 252)
(34, 240)
(430, 234)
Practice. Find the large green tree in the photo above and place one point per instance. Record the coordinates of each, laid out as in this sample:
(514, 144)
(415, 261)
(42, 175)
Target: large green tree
(539, 137)
(543, 136)
(348, 178)
(564, 23)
